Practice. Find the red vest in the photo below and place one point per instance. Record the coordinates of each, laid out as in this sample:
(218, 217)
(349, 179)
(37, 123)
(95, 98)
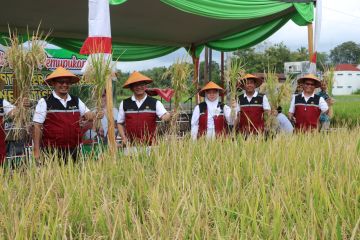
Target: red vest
(307, 114)
(219, 121)
(140, 123)
(62, 125)
(251, 119)
(2, 133)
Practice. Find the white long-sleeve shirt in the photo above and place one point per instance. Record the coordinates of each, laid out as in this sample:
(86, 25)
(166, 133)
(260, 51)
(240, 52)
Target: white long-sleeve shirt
(322, 103)
(41, 108)
(285, 125)
(160, 109)
(213, 110)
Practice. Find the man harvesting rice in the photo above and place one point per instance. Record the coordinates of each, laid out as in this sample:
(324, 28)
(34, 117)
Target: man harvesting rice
(306, 107)
(136, 119)
(57, 117)
(211, 117)
(253, 106)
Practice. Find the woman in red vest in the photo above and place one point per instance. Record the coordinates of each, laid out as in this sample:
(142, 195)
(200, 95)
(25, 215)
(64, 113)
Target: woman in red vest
(57, 117)
(253, 106)
(306, 107)
(211, 117)
(137, 114)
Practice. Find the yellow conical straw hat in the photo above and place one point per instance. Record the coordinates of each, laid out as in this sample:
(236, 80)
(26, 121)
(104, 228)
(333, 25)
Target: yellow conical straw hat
(136, 77)
(258, 81)
(310, 77)
(209, 86)
(61, 72)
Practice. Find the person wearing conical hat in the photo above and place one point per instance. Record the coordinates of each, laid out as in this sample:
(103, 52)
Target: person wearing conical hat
(137, 114)
(57, 117)
(252, 106)
(211, 117)
(306, 107)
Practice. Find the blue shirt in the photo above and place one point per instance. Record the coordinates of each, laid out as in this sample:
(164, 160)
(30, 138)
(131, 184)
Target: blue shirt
(324, 117)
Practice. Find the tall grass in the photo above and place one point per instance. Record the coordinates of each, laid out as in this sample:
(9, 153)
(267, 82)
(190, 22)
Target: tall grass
(289, 187)
(346, 111)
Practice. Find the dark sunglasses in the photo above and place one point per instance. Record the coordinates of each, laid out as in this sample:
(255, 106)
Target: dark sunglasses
(310, 84)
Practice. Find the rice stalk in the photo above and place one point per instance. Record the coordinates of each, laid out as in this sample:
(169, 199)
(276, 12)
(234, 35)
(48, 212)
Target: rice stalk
(329, 78)
(179, 73)
(97, 73)
(301, 186)
(234, 73)
(25, 60)
(278, 94)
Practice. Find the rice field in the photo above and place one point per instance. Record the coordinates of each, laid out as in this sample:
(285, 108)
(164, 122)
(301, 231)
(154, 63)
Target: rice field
(347, 110)
(288, 187)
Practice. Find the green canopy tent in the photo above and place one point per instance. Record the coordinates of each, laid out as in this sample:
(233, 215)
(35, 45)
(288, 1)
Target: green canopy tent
(145, 29)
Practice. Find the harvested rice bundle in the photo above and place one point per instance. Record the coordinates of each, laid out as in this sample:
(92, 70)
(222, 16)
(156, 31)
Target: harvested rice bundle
(97, 73)
(329, 80)
(235, 73)
(25, 60)
(278, 94)
(180, 73)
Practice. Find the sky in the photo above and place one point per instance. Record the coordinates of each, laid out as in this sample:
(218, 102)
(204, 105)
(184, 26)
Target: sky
(340, 23)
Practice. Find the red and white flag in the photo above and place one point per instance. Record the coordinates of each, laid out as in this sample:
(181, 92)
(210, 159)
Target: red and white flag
(318, 18)
(99, 39)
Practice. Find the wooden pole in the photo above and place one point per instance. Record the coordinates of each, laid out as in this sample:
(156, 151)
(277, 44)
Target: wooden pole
(206, 66)
(110, 117)
(196, 77)
(310, 40)
(210, 67)
(222, 77)
(196, 61)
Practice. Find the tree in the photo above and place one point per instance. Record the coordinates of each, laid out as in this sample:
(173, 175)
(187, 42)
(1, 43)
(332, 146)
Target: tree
(156, 74)
(322, 60)
(253, 60)
(347, 52)
(301, 54)
(215, 72)
(275, 56)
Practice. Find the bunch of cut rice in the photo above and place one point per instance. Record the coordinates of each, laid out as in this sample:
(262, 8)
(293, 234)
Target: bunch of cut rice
(25, 60)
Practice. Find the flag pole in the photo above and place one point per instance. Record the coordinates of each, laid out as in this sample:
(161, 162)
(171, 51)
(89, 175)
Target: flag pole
(110, 117)
(310, 40)
(99, 42)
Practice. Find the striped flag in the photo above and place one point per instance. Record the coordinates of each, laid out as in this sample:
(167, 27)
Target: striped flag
(318, 18)
(99, 39)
